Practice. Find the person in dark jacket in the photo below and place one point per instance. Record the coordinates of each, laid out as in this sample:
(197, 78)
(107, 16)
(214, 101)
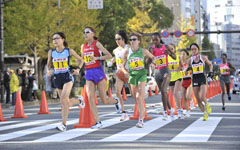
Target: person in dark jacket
(6, 84)
(30, 86)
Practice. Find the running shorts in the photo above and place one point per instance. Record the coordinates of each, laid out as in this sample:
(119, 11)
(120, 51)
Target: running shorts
(61, 78)
(172, 83)
(159, 73)
(95, 74)
(136, 79)
(186, 82)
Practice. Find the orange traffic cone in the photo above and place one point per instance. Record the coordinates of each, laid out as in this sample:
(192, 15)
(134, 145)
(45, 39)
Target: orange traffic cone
(195, 103)
(109, 92)
(156, 90)
(86, 118)
(136, 112)
(150, 92)
(44, 105)
(172, 101)
(1, 114)
(19, 110)
(124, 96)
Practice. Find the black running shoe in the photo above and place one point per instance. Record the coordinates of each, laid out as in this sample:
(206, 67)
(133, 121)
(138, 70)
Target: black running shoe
(229, 98)
(223, 108)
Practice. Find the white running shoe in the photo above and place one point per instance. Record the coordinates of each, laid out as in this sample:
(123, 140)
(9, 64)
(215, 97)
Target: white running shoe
(180, 114)
(140, 124)
(81, 104)
(165, 116)
(61, 127)
(172, 110)
(188, 113)
(124, 116)
(98, 125)
(117, 105)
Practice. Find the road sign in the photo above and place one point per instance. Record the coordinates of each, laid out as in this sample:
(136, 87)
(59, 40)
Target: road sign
(178, 33)
(216, 61)
(190, 33)
(165, 34)
(95, 4)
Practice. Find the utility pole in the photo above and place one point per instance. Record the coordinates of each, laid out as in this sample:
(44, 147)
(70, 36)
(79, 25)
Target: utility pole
(1, 52)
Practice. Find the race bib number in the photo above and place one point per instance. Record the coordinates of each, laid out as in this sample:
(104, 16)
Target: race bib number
(137, 63)
(197, 68)
(87, 59)
(223, 71)
(60, 64)
(173, 66)
(184, 74)
(119, 62)
(160, 61)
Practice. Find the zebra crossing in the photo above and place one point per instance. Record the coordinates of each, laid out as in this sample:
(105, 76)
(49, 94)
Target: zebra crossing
(38, 131)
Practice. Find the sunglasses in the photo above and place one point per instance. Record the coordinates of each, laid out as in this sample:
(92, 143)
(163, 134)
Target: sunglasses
(132, 39)
(117, 39)
(86, 32)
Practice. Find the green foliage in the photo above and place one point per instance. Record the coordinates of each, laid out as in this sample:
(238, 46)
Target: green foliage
(207, 45)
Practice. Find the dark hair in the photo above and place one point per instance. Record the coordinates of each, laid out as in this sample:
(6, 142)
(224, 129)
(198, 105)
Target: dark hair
(184, 50)
(62, 36)
(123, 35)
(93, 30)
(224, 54)
(158, 35)
(195, 45)
(138, 35)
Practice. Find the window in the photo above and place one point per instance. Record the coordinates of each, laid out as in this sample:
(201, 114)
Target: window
(217, 5)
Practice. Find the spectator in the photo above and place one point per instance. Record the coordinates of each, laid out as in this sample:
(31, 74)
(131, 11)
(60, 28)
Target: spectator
(30, 86)
(35, 87)
(20, 76)
(24, 85)
(6, 85)
(14, 85)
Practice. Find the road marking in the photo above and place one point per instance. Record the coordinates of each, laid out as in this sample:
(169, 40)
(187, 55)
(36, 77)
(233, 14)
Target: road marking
(134, 133)
(199, 131)
(24, 124)
(70, 134)
(224, 114)
(7, 122)
(21, 133)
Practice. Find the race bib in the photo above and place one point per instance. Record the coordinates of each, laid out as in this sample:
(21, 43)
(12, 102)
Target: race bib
(87, 59)
(119, 62)
(60, 64)
(173, 66)
(184, 74)
(223, 71)
(137, 63)
(197, 68)
(160, 61)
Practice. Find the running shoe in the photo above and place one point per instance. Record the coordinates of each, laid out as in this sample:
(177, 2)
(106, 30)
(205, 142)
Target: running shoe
(208, 109)
(223, 108)
(98, 125)
(180, 114)
(81, 104)
(117, 105)
(165, 116)
(188, 114)
(172, 110)
(229, 98)
(205, 117)
(140, 124)
(61, 127)
(124, 116)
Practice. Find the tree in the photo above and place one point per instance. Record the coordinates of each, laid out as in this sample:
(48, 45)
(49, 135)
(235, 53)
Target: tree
(207, 45)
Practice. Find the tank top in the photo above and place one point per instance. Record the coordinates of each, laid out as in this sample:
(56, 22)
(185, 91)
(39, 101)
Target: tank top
(223, 69)
(119, 57)
(61, 61)
(173, 66)
(88, 51)
(136, 62)
(186, 74)
(198, 68)
(160, 57)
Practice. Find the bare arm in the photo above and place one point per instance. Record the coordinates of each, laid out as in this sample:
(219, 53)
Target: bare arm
(231, 67)
(148, 54)
(79, 59)
(125, 54)
(208, 62)
(107, 54)
(170, 53)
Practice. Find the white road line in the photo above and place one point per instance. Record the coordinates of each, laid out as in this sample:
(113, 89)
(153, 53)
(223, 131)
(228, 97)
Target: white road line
(70, 134)
(199, 131)
(134, 133)
(25, 124)
(21, 133)
(224, 114)
(7, 122)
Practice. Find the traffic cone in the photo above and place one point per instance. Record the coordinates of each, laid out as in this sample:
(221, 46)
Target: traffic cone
(1, 114)
(156, 90)
(86, 118)
(19, 110)
(150, 92)
(109, 92)
(172, 101)
(195, 103)
(44, 105)
(136, 113)
(124, 96)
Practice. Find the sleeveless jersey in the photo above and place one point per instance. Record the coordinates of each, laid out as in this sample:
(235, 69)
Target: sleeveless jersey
(88, 51)
(173, 66)
(198, 68)
(61, 61)
(119, 57)
(186, 74)
(223, 69)
(136, 62)
(160, 57)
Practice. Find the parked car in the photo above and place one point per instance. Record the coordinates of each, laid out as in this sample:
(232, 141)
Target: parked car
(236, 82)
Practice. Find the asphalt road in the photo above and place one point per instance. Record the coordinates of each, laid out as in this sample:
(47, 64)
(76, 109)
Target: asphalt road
(221, 131)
